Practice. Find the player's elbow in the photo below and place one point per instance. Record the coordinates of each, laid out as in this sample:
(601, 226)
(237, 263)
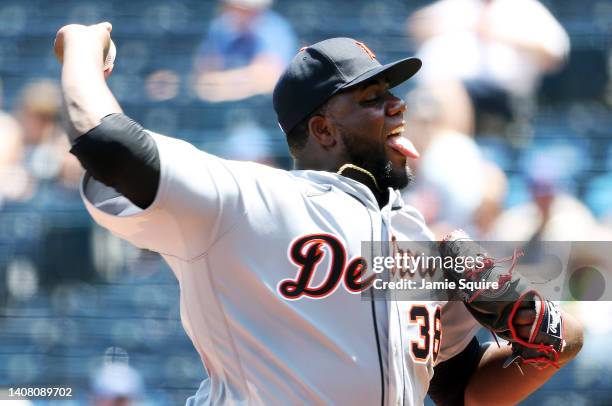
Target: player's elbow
(122, 155)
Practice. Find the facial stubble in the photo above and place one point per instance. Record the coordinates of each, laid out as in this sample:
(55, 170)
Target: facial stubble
(373, 158)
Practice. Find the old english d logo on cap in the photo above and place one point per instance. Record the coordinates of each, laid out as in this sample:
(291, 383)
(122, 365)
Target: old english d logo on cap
(365, 49)
(321, 70)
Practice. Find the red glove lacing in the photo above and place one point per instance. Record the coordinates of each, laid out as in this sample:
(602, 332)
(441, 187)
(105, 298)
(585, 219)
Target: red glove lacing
(490, 263)
(546, 349)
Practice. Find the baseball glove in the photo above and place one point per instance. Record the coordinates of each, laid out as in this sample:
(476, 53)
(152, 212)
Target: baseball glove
(496, 308)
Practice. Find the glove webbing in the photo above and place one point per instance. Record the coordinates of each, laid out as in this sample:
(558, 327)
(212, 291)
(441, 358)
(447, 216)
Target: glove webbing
(544, 348)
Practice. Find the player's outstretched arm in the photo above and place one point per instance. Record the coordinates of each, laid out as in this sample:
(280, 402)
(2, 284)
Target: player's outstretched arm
(81, 50)
(189, 198)
(114, 149)
(492, 384)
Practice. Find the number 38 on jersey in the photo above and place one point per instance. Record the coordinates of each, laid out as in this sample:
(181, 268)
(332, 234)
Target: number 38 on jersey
(428, 321)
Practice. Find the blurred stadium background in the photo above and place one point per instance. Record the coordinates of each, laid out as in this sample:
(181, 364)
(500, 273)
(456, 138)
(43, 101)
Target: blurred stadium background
(72, 297)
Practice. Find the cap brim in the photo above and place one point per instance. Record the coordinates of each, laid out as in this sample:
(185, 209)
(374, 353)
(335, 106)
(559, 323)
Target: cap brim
(395, 72)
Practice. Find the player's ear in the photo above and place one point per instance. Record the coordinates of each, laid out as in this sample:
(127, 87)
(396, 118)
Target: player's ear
(319, 128)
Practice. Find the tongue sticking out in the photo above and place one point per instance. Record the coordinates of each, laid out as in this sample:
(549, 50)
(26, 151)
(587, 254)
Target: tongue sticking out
(403, 146)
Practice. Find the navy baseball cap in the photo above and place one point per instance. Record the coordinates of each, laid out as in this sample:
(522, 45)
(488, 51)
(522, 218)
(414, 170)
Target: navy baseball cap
(321, 70)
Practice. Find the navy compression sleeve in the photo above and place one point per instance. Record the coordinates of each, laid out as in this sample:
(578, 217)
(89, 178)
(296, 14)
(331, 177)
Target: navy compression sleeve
(121, 154)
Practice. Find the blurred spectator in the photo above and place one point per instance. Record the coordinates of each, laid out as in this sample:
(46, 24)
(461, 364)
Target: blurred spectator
(492, 201)
(247, 141)
(38, 110)
(44, 227)
(11, 146)
(163, 84)
(116, 384)
(46, 148)
(449, 182)
(13, 178)
(244, 53)
(551, 215)
(499, 49)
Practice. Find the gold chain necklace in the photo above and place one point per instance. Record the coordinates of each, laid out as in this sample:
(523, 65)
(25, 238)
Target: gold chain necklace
(359, 169)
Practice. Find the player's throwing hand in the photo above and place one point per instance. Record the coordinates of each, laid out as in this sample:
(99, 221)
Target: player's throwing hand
(97, 34)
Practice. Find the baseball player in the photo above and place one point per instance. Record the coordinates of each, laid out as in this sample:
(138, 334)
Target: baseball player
(269, 261)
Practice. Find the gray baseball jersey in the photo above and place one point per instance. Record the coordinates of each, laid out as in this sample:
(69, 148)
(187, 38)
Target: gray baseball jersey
(236, 234)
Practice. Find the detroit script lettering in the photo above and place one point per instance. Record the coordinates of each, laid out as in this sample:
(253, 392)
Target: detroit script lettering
(307, 252)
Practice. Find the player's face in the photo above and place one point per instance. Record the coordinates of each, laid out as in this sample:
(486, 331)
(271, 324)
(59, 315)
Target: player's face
(365, 117)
